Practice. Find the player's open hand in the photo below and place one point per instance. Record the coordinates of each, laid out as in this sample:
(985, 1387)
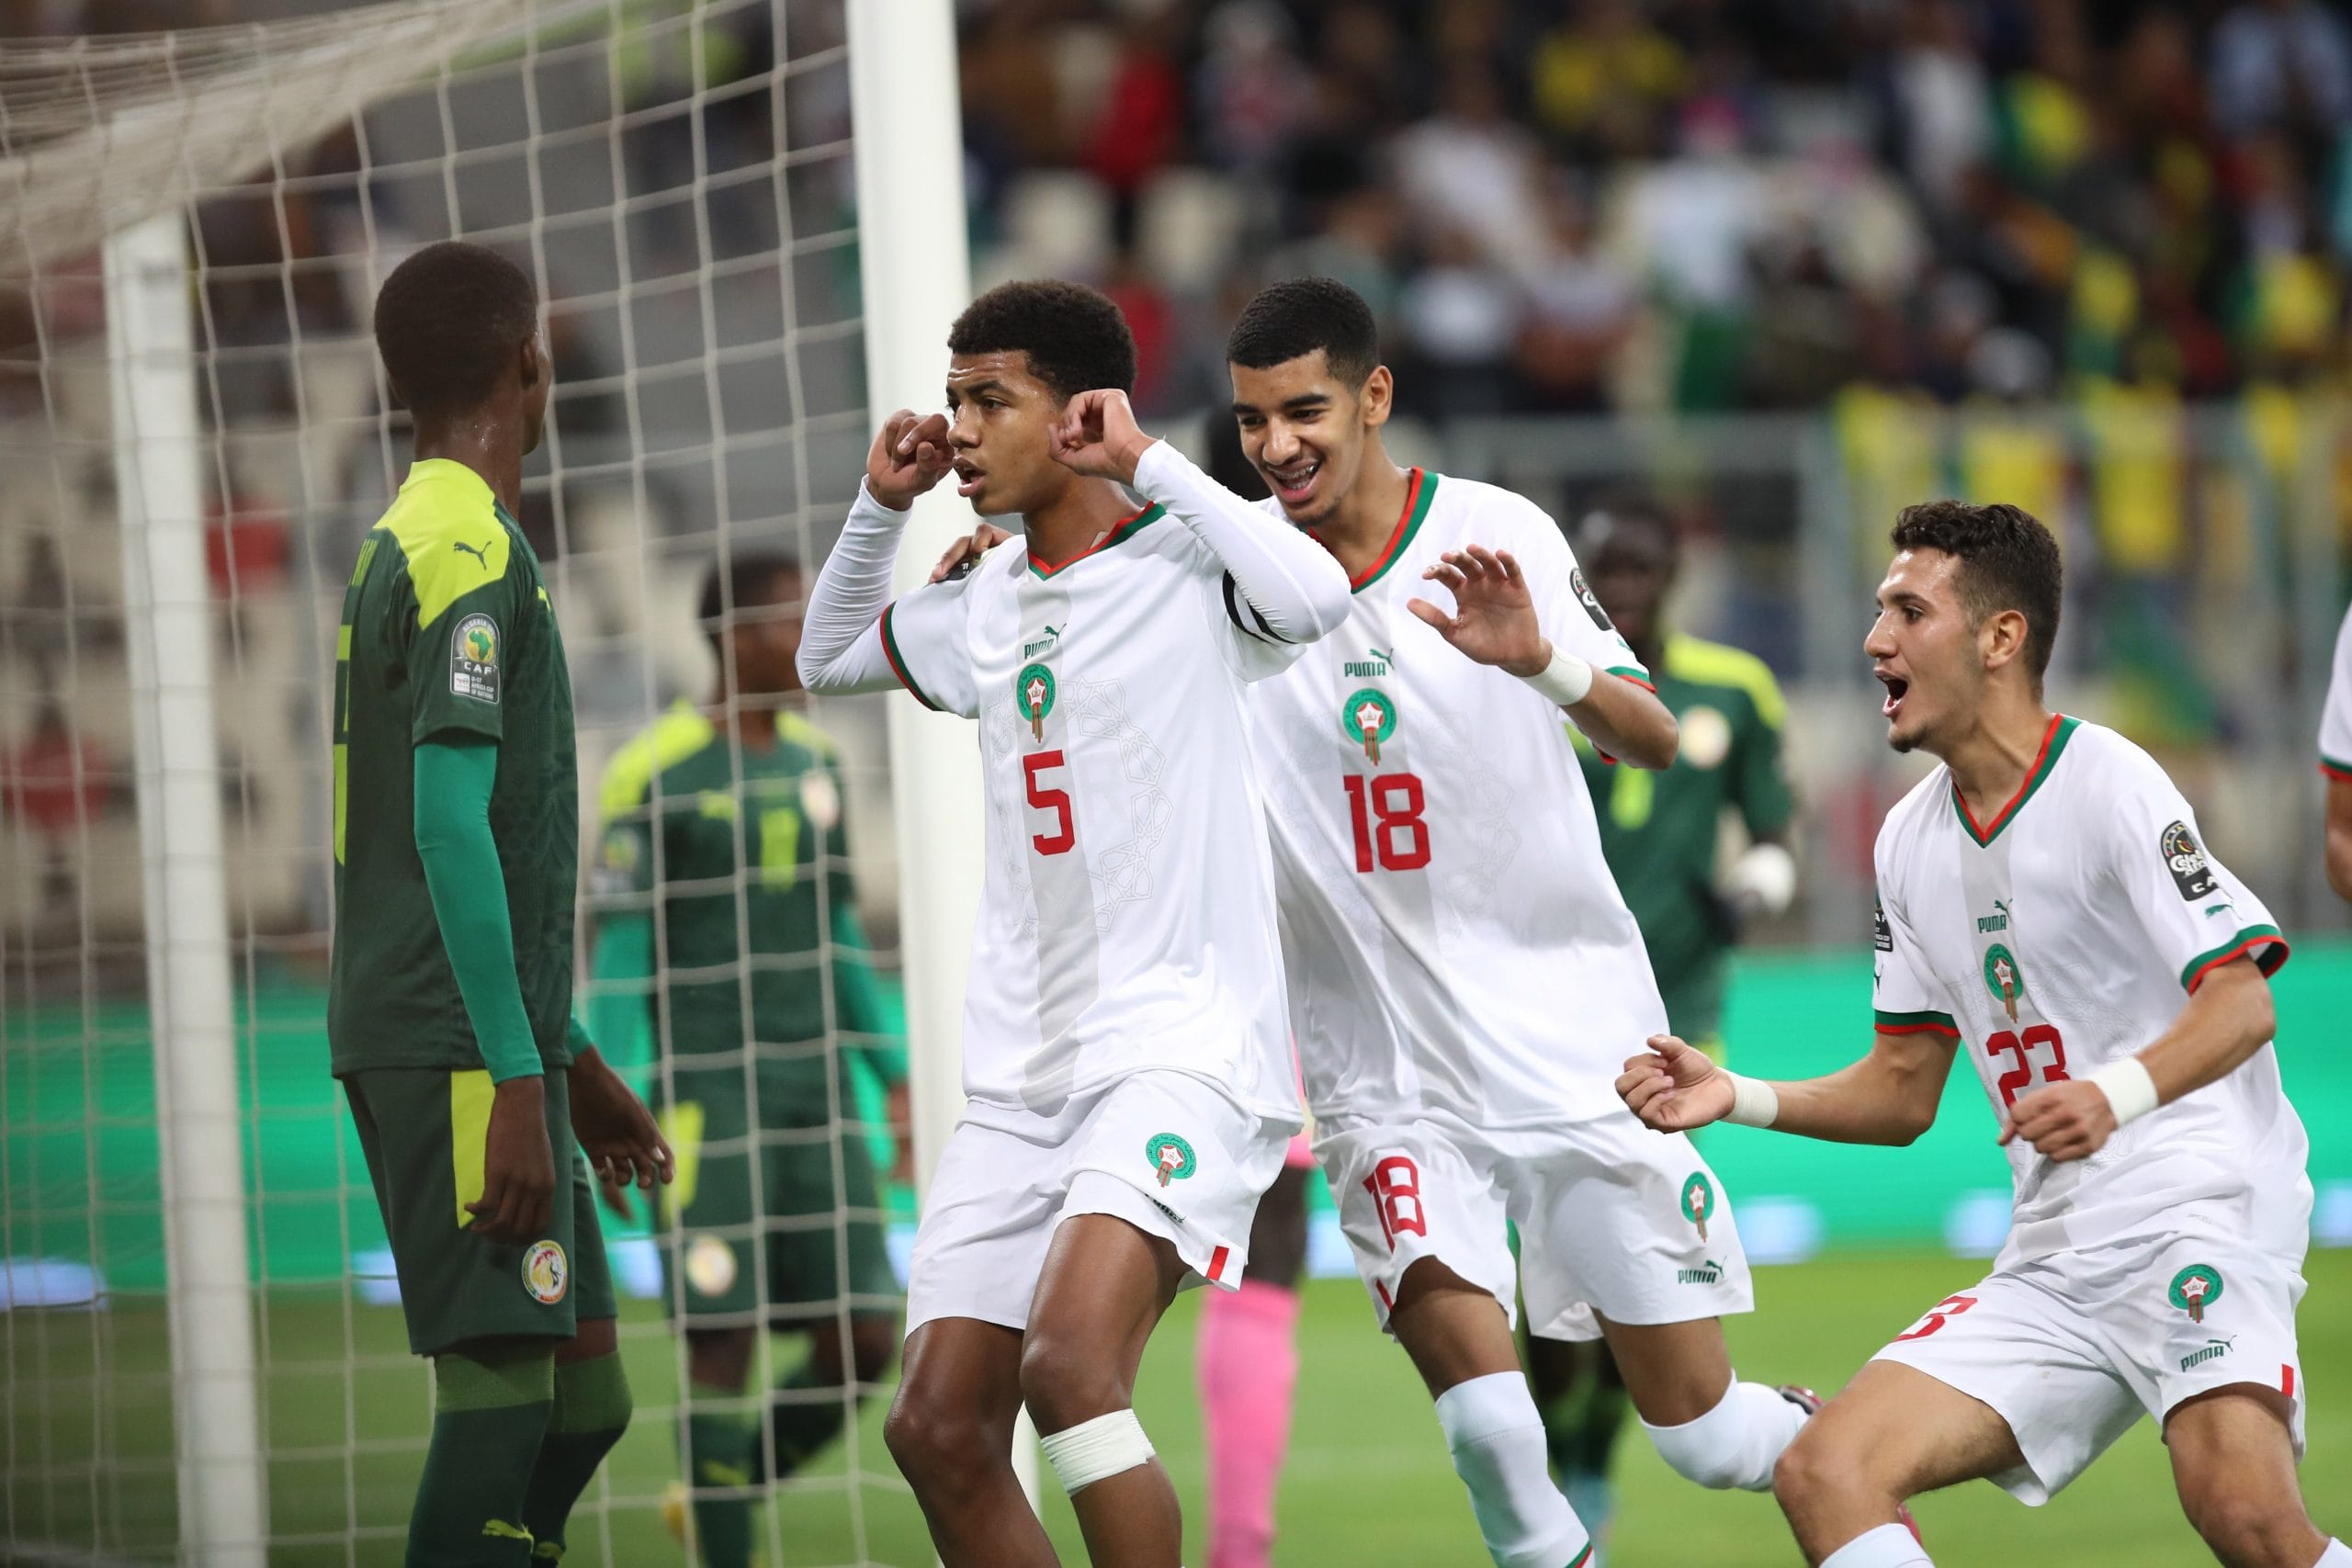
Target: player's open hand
(1097, 436)
(967, 550)
(1494, 619)
(2072, 1119)
(615, 1129)
(517, 1165)
(1673, 1087)
(910, 455)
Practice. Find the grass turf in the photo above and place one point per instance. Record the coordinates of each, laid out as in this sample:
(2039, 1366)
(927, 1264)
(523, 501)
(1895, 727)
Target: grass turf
(1367, 1481)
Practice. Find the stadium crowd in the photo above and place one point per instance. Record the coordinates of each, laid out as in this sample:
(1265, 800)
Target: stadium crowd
(1587, 205)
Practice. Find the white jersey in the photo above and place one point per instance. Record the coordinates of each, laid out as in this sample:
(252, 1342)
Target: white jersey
(2065, 934)
(1453, 940)
(1127, 912)
(2335, 719)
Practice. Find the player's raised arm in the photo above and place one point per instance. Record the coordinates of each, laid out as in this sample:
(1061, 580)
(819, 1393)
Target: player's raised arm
(1888, 1097)
(844, 640)
(1298, 591)
(1494, 622)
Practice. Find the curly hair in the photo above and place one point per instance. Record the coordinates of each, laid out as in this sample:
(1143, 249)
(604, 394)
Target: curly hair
(1075, 338)
(2007, 561)
(447, 320)
(1299, 315)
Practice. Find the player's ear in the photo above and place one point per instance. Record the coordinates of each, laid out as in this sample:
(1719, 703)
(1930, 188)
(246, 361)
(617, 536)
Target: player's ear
(1378, 401)
(532, 364)
(2002, 638)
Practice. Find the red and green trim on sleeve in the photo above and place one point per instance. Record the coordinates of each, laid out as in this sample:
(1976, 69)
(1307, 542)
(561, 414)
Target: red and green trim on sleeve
(2268, 949)
(1925, 1022)
(2341, 771)
(898, 663)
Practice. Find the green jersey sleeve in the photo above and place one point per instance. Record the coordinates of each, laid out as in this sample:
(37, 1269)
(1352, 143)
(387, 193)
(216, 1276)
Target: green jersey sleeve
(456, 643)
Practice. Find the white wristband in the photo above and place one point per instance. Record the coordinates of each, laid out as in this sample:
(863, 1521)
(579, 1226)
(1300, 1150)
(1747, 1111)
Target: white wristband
(1754, 1102)
(2129, 1092)
(1564, 681)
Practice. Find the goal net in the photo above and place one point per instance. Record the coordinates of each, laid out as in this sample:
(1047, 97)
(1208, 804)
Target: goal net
(202, 1354)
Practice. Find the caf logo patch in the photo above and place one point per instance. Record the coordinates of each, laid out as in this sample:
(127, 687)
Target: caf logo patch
(710, 1266)
(473, 660)
(1698, 1201)
(1590, 602)
(1368, 718)
(2194, 1288)
(546, 1273)
(1171, 1157)
(2191, 872)
(1032, 691)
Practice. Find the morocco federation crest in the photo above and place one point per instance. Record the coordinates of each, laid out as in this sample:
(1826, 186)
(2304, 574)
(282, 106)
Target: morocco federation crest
(1369, 718)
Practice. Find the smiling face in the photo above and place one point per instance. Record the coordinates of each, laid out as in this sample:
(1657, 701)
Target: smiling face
(1305, 430)
(1001, 421)
(1925, 651)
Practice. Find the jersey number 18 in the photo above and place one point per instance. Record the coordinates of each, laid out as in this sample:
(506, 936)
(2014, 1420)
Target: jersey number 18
(1386, 814)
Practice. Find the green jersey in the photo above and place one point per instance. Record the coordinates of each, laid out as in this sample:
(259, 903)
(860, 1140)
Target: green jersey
(681, 818)
(448, 635)
(1658, 829)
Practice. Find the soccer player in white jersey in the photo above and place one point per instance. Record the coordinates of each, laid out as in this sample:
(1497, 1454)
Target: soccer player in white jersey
(1125, 1052)
(2047, 910)
(2336, 762)
(1464, 975)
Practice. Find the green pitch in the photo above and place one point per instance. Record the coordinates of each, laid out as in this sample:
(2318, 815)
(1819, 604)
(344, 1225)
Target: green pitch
(1367, 1482)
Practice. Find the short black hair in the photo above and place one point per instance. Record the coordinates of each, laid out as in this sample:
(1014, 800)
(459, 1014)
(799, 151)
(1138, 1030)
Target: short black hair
(1299, 315)
(447, 321)
(740, 582)
(1075, 337)
(2007, 561)
(1625, 511)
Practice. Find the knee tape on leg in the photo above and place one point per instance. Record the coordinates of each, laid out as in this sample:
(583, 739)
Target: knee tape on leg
(1092, 1451)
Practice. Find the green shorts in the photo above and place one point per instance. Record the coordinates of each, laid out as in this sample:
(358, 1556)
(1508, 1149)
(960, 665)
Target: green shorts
(777, 1222)
(423, 1130)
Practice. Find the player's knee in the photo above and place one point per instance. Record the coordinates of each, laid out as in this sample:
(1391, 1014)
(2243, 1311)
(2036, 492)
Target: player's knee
(1814, 1468)
(941, 1452)
(2250, 1528)
(1096, 1449)
(1064, 1381)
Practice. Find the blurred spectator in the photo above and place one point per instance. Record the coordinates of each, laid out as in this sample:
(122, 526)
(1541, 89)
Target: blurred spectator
(1580, 309)
(1604, 80)
(1459, 321)
(2281, 66)
(1471, 169)
(1941, 112)
(1253, 92)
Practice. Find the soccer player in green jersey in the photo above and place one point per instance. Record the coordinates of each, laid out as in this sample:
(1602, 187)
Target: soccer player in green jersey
(455, 866)
(724, 825)
(1660, 831)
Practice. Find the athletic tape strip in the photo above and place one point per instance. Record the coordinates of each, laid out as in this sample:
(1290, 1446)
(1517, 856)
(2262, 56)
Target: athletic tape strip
(1092, 1451)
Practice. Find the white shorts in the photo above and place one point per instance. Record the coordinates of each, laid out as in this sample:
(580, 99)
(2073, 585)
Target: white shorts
(1610, 1216)
(2072, 1349)
(1166, 1151)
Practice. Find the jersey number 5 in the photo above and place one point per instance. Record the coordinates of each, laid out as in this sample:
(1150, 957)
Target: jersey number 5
(1056, 801)
(1386, 813)
(2022, 1050)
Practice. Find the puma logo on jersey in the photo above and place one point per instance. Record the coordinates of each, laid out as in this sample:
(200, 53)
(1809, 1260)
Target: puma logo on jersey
(479, 554)
(1707, 1273)
(2213, 1351)
(1358, 669)
(1996, 922)
(1031, 650)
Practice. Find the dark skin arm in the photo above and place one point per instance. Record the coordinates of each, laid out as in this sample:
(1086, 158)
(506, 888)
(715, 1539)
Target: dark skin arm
(518, 1166)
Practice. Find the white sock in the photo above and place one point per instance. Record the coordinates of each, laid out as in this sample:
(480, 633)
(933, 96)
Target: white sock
(1889, 1546)
(1496, 1439)
(2337, 1555)
(1737, 1443)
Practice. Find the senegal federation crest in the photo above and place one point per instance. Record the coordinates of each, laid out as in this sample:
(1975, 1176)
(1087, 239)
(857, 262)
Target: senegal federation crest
(546, 1273)
(2194, 1288)
(1369, 718)
(1033, 689)
(1171, 1157)
(2004, 979)
(1698, 1201)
